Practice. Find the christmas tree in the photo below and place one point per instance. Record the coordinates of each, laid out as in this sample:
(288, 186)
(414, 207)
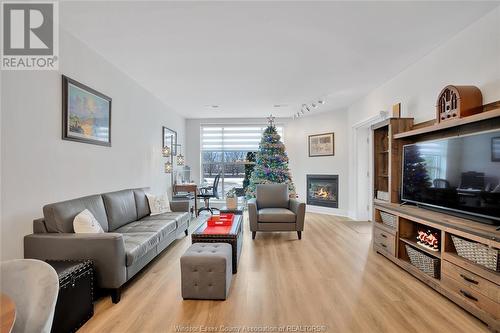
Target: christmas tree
(271, 162)
(416, 179)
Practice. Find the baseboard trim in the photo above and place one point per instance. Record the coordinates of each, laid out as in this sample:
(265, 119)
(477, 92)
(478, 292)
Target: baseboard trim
(327, 211)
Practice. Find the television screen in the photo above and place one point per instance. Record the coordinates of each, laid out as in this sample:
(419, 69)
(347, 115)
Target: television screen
(460, 174)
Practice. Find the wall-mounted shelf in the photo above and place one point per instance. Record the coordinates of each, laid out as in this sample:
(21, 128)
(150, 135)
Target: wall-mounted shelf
(485, 115)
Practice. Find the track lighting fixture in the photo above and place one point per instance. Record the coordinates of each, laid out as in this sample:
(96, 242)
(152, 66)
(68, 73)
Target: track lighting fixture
(308, 108)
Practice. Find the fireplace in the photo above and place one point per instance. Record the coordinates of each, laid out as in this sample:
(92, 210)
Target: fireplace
(323, 190)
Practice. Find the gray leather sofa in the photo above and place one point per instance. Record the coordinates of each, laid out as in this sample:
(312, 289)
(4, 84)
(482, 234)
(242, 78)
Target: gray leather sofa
(273, 210)
(132, 237)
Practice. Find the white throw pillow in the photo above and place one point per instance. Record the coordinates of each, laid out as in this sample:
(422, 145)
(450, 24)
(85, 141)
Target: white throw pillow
(85, 223)
(158, 204)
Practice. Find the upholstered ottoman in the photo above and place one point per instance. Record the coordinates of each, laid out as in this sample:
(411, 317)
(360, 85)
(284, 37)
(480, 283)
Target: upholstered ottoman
(206, 271)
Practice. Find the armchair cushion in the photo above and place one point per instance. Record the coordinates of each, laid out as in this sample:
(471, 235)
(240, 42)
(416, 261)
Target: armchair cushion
(277, 215)
(272, 196)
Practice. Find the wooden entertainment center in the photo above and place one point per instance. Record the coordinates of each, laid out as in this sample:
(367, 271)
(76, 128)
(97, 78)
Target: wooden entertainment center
(472, 286)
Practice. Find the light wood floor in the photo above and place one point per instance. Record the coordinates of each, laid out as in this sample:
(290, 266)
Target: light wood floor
(331, 277)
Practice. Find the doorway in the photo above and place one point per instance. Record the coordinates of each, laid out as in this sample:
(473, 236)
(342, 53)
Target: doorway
(363, 167)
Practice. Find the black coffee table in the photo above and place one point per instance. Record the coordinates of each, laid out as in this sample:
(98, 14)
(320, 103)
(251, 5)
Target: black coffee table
(232, 235)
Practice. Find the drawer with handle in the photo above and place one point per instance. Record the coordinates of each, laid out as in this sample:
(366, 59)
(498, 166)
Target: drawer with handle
(384, 241)
(473, 281)
(471, 296)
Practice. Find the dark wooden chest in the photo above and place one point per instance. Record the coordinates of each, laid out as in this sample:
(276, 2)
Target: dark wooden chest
(75, 302)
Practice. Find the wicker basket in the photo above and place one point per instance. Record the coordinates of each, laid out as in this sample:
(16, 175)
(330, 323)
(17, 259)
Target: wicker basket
(479, 253)
(423, 262)
(388, 219)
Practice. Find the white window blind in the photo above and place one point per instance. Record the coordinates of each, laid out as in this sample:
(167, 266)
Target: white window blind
(233, 137)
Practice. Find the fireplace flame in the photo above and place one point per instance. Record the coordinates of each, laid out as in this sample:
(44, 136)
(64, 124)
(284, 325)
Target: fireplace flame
(322, 194)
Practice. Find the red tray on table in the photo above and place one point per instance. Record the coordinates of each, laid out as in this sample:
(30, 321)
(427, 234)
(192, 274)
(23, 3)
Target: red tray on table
(225, 220)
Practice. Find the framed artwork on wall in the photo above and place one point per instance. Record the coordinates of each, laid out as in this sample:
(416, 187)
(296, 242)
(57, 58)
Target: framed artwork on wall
(495, 149)
(169, 138)
(322, 145)
(86, 114)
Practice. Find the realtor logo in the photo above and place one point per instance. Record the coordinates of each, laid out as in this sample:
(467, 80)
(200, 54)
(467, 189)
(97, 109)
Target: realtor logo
(30, 39)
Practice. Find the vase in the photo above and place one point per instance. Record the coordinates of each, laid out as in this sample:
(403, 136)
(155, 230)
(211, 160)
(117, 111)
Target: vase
(232, 203)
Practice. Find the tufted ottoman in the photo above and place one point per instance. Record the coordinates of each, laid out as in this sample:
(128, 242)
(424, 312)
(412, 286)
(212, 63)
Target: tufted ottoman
(206, 271)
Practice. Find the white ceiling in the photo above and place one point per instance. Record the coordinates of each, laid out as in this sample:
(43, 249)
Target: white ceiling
(248, 56)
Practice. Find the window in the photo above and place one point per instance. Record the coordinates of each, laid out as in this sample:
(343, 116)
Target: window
(223, 151)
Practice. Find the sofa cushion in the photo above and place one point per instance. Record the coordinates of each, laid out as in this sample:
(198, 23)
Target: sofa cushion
(137, 244)
(120, 208)
(141, 202)
(272, 196)
(161, 227)
(282, 215)
(59, 216)
(181, 218)
(85, 223)
(158, 204)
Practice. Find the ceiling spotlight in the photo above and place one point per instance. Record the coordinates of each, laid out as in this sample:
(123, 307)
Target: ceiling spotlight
(321, 101)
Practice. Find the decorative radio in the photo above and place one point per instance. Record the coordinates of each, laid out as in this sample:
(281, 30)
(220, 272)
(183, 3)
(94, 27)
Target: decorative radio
(456, 102)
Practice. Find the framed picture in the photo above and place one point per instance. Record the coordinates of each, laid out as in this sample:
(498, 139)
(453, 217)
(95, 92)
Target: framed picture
(169, 138)
(86, 114)
(322, 145)
(495, 149)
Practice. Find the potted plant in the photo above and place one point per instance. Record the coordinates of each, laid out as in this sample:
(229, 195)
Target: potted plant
(231, 199)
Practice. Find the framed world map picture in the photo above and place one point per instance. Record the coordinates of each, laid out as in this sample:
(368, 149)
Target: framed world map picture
(86, 114)
(322, 145)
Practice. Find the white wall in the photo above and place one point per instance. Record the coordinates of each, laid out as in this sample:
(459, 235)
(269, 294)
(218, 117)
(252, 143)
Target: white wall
(470, 58)
(295, 138)
(39, 168)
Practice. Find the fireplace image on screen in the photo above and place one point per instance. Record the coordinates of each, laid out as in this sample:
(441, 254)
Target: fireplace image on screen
(322, 190)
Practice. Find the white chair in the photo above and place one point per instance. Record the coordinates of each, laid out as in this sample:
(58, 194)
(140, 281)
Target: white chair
(33, 286)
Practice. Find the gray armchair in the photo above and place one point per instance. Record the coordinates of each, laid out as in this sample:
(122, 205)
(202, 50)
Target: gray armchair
(272, 210)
